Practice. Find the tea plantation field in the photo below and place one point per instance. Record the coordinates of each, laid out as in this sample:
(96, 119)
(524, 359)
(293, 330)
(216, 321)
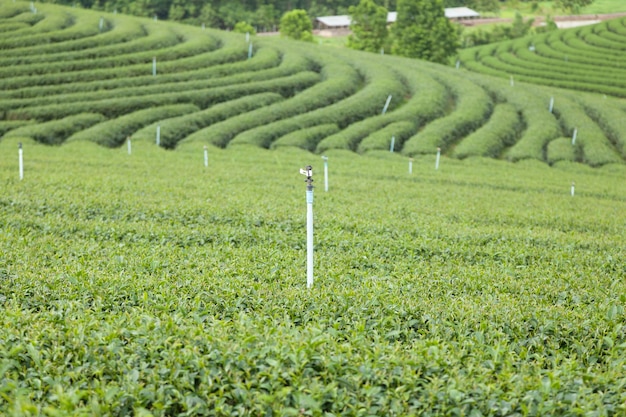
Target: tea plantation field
(590, 58)
(147, 284)
(70, 75)
(144, 283)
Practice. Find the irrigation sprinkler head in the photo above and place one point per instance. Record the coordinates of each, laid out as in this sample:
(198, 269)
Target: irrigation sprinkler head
(19, 145)
(308, 171)
(438, 149)
(325, 158)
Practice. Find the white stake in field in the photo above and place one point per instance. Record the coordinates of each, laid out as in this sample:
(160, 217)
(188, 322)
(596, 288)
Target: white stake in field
(128, 144)
(574, 136)
(206, 157)
(438, 158)
(387, 104)
(20, 157)
(158, 135)
(410, 165)
(572, 189)
(308, 172)
(393, 144)
(325, 158)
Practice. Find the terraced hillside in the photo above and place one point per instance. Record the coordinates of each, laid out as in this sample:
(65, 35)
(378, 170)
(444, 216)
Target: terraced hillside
(590, 58)
(73, 75)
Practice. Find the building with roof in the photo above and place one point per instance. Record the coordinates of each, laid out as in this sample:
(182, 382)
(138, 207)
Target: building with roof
(342, 22)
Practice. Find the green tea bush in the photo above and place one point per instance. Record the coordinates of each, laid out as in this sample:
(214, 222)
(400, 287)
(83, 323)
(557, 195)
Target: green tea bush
(85, 61)
(152, 285)
(473, 107)
(610, 119)
(596, 149)
(539, 125)
(123, 31)
(113, 133)
(11, 10)
(8, 125)
(306, 138)
(364, 103)
(493, 137)
(577, 58)
(12, 27)
(601, 42)
(340, 81)
(381, 139)
(617, 26)
(428, 100)
(266, 58)
(561, 149)
(193, 83)
(55, 132)
(46, 22)
(184, 63)
(63, 27)
(173, 130)
(203, 98)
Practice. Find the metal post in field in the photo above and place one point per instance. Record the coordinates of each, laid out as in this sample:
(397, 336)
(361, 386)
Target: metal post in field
(308, 172)
(325, 158)
(387, 104)
(20, 156)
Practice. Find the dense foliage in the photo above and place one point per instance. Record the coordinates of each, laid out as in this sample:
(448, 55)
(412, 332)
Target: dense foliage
(368, 23)
(589, 58)
(71, 75)
(423, 31)
(296, 25)
(264, 15)
(147, 284)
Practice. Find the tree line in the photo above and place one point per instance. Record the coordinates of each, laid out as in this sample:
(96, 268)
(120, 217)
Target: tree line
(263, 15)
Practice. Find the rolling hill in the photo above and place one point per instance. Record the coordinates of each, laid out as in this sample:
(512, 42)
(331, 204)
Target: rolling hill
(72, 75)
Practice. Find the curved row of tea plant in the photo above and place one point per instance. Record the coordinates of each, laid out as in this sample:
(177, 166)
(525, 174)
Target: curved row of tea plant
(68, 74)
(591, 58)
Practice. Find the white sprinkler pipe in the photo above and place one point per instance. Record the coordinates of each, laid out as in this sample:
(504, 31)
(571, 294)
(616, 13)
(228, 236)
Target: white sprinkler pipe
(308, 171)
(20, 154)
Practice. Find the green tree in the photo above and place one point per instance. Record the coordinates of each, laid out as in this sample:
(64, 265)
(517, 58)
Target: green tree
(297, 25)
(423, 31)
(520, 28)
(573, 6)
(266, 17)
(208, 16)
(368, 25)
(244, 27)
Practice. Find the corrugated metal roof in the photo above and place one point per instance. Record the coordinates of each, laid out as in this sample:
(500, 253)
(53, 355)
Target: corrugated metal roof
(335, 21)
(460, 12)
(344, 20)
